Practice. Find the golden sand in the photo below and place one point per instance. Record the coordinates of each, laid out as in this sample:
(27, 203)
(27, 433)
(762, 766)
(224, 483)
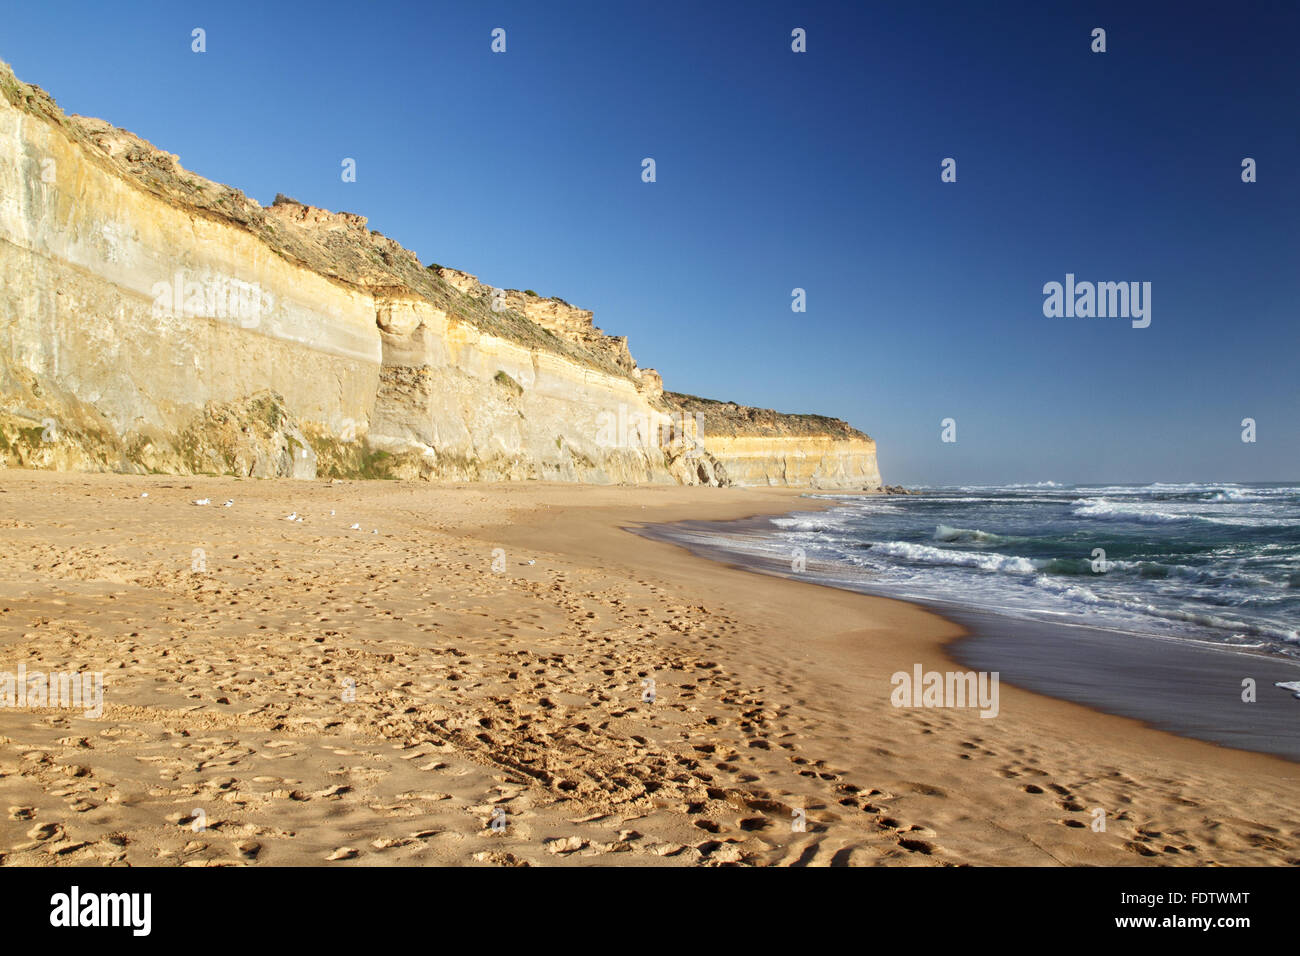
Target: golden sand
(302, 692)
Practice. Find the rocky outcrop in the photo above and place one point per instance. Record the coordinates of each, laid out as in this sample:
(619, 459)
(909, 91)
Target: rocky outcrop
(757, 446)
(454, 402)
(153, 320)
(555, 315)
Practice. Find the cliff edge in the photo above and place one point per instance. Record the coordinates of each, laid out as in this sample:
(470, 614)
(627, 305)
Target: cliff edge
(153, 320)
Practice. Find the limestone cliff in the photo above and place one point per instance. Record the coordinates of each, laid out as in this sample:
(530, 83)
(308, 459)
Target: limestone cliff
(152, 320)
(757, 446)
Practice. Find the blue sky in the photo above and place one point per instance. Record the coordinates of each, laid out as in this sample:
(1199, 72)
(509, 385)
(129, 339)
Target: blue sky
(779, 170)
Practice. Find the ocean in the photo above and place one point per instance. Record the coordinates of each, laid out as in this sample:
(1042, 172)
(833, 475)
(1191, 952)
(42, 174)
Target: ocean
(1207, 563)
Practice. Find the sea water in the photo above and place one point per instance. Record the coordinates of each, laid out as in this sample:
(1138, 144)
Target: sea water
(1213, 562)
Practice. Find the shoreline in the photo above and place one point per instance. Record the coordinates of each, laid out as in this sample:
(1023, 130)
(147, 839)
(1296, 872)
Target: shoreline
(1191, 689)
(520, 690)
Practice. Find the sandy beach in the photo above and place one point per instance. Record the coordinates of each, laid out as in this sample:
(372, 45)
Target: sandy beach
(285, 692)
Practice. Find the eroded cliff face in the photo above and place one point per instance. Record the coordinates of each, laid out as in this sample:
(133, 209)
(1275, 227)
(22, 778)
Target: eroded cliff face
(757, 446)
(456, 403)
(152, 320)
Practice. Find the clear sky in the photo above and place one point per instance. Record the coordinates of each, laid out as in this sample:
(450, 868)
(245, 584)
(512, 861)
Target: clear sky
(777, 170)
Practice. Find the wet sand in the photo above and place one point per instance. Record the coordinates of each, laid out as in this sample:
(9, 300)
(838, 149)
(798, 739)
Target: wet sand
(1191, 689)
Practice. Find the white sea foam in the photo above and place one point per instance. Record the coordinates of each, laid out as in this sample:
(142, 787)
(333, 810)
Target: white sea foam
(1166, 512)
(815, 523)
(924, 554)
(800, 524)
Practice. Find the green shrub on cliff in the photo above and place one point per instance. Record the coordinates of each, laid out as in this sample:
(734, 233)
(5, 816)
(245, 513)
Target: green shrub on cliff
(502, 378)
